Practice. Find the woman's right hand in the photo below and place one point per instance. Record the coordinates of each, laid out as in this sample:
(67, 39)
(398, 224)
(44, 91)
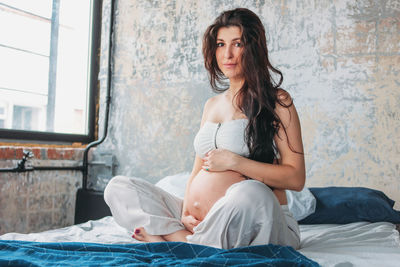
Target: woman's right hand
(189, 222)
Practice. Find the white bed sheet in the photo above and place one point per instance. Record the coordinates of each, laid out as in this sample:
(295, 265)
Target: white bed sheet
(355, 244)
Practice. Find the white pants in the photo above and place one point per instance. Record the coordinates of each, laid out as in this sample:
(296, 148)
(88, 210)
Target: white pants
(249, 214)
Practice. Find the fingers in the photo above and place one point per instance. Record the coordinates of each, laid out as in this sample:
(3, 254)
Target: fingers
(190, 219)
(206, 165)
(206, 160)
(190, 222)
(194, 221)
(207, 168)
(209, 153)
(210, 158)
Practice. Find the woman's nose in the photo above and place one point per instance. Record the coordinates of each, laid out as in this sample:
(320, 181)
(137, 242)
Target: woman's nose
(228, 52)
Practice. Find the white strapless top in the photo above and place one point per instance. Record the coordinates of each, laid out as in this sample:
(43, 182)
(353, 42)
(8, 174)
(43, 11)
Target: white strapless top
(228, 135)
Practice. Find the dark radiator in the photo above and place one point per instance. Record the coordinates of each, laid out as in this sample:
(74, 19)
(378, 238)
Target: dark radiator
(90, 205)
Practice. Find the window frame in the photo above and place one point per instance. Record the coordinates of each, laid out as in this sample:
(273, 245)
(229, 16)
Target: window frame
(93, 71)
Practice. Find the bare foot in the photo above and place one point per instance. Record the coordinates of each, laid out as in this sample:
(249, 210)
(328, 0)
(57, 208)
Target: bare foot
(141, 235)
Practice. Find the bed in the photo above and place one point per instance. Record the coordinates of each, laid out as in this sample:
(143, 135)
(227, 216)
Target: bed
(354, 244)
(362, 232)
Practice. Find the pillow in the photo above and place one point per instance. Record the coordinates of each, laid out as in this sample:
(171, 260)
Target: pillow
(174, 184)
(341, 205)
(301, 204)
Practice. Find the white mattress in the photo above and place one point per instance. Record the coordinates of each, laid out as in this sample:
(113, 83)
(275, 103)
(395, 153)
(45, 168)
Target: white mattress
(355, 244)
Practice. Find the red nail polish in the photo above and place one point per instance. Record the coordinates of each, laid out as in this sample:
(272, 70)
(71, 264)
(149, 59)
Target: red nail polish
(133, 236)
(137, 231)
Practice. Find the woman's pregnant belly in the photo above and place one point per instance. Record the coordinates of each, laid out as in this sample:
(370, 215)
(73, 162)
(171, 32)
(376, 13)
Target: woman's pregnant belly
(206, 188)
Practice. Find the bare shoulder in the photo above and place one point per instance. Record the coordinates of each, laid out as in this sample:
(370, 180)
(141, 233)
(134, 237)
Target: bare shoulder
(209, 106)
(285, 108)
(211, 103)
(284, 97)
(211, 100)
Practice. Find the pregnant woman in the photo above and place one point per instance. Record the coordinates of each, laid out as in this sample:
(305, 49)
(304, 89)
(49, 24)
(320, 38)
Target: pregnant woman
(248, 152)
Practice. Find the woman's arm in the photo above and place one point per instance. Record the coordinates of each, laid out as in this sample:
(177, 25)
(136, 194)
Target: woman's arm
(196, 168)
(188, 220)
(290, 173)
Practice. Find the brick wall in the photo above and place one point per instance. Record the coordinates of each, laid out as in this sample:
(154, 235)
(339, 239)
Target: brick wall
(38, 200)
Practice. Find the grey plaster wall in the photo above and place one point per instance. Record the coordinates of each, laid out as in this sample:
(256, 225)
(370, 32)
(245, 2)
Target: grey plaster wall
(340, 60)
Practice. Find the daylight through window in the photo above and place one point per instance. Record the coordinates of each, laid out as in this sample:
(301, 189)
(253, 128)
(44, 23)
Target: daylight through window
(45, 55)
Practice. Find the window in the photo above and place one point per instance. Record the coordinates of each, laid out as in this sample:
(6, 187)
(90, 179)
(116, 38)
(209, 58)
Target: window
(48, 69)
(25, 118)
(2, 117)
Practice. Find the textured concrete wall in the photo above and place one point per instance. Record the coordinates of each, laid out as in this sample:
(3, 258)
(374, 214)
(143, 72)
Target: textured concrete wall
(340, 60)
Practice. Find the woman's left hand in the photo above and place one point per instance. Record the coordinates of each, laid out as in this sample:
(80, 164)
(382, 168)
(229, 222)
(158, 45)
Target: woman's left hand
(219, 160)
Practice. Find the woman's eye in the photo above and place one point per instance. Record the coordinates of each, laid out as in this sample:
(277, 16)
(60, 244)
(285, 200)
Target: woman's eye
(220, 44)
(238, 44)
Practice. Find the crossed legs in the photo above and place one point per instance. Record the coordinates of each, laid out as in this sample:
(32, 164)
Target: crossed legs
(179, 236)
(137, 203)
(249, 214)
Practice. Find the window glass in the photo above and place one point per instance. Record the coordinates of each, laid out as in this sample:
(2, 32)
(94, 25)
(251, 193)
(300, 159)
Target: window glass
(45, 53)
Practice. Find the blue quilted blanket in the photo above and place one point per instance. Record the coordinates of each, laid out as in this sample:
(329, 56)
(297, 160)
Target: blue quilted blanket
(23, 253)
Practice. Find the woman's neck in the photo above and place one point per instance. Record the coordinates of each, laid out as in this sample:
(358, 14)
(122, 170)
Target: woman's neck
(232, 93)
(234, 87)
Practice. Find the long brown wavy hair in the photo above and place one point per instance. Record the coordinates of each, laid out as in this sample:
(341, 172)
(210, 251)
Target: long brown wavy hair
(258, 96)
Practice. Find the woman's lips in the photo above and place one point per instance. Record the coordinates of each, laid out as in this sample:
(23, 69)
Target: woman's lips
(229, 66)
